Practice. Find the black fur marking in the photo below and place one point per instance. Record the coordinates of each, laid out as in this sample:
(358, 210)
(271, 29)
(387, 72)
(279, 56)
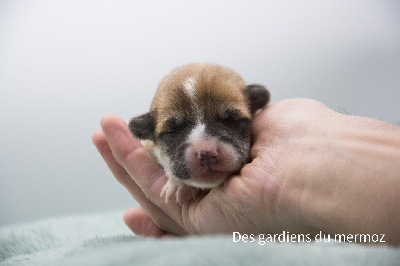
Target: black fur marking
(235, 132)
(174, 125)
(180, 168)
(230, 117)
(257, 97)
(173, 143)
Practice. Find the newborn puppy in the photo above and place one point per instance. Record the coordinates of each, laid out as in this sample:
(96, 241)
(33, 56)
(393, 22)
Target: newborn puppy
(199, 127)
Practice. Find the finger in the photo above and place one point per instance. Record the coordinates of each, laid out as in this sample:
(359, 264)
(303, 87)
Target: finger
(143, 177)
(115, 167)
(123, 177)
(100, 141)
(141, 224)
(128, 152)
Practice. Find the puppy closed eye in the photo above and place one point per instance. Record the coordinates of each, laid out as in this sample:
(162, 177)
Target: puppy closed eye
(174, 126)
(230, 116)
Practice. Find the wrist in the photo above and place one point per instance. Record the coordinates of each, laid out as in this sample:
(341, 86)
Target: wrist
(356, 186)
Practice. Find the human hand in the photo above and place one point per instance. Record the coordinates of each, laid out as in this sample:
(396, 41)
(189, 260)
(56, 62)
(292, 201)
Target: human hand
(291, 184)
(249, 202)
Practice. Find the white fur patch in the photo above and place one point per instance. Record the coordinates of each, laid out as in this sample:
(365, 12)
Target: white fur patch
(197, 133)
(190, 86)
(163, 160)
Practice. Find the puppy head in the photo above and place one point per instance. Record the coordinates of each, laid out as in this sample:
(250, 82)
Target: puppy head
(200, 123)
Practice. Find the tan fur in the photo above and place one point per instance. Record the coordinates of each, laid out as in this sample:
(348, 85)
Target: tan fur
(216, 88)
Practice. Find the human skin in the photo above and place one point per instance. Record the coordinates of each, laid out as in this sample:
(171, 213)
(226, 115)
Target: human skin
(312, 169)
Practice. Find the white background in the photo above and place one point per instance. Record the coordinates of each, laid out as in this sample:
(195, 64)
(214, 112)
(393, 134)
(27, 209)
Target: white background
(65, 64)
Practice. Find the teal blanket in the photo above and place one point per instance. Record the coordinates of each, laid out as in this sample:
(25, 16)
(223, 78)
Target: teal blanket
(103, 239)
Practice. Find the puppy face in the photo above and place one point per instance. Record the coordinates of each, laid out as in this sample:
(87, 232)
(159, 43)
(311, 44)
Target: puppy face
(200, 123)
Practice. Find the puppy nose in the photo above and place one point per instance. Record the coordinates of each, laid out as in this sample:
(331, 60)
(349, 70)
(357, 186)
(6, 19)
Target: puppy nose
(207, 157)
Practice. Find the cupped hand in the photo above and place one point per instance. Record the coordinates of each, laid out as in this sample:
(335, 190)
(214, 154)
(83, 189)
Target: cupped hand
(260, 199)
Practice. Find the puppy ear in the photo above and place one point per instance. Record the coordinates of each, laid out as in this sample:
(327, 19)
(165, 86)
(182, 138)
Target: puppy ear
(143, 126)
(257, 97)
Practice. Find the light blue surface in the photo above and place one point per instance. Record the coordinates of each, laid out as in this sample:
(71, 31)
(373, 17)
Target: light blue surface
(103, 239)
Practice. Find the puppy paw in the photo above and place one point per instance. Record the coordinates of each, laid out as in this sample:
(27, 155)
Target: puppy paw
(186, 193)
(179, 192)
(168, 192)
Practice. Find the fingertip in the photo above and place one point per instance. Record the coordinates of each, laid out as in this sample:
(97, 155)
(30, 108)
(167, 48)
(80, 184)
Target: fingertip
(129, 216)
(140, 223)
(111, 120)
(117, 133)
(107, 118)
(98, 137)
